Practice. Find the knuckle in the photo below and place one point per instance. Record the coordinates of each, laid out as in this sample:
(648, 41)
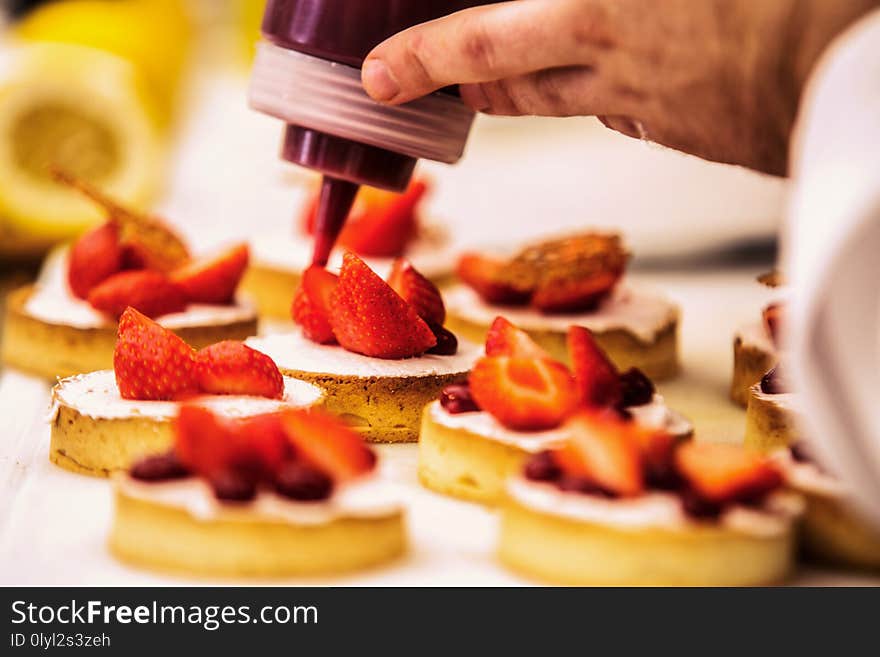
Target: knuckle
(478, 47)
(418, 59)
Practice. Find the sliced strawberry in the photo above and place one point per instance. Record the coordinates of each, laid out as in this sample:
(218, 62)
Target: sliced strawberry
(312, 304)
(504, 339)
(232, 368)
(486, 276)
(150, 362)
(204, 442)
(720, 472)
(575, 294)
(370, 318)
(213, 279)
(382, 224)
(524, 394)
(597, 378)
(94, 257)
(149, 292)
(418, 291)
(774, 316)
(604, 449)
(264, 440)
(327, 443)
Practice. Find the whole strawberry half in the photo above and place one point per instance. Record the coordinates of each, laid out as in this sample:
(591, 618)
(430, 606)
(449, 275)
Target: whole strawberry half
(232, 368)
(605, 450)
(325, 442)
(150, 292)
(524, 394)
(720, 472)
(370, 318)
(418, 291)
(150, 362)
(486, 276)
(505, 339)
(597, 378)
(213, 280)
(382, 224)
(312, 304)
(94, 257)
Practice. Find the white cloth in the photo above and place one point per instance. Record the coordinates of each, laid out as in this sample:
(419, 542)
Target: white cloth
(832, 254)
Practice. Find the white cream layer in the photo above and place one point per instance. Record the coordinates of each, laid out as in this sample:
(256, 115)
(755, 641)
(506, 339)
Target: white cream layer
(293, 253)
(366, 497)
(638, 310)
(655, 415)
(755, 335)
(52, 302)
(293, 351)
(653, 510)
(95, 395)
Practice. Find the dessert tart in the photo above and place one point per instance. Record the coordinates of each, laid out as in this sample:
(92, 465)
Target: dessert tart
(104, 421)
(283, 494)
(577, 280)
(756, 347)
(377, 349)
(470, 453)
(618, 506)
(381, 226)
(772, 413)
(65, 324)
(831, 531)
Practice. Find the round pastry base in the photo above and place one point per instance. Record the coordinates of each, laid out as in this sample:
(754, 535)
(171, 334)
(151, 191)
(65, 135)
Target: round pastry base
(657, 359)
(750, 364)
(167, 538)
(565, 551)
(100, 446)
(56, 350)
(833, 534)
(384, 409)
(465, 464)
(769, 425)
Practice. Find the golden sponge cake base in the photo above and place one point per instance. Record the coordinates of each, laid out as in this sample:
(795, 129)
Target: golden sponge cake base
(564, 551)
(100, 446)
(750, 364)
(464, 464)
(657, 359)
(56, 350)
(384, 409)
(769, 426)
(167, 538)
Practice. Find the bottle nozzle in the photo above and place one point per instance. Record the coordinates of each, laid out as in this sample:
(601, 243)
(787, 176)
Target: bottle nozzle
(337, 197)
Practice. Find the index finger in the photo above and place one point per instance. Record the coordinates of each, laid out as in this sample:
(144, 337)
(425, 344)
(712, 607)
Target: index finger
(485, 43)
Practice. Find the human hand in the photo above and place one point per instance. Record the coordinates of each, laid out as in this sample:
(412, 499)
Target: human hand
(720, 79)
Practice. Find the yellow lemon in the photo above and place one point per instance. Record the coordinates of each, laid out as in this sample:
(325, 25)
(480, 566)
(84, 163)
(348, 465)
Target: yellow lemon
(153, 35)
(81, 110)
